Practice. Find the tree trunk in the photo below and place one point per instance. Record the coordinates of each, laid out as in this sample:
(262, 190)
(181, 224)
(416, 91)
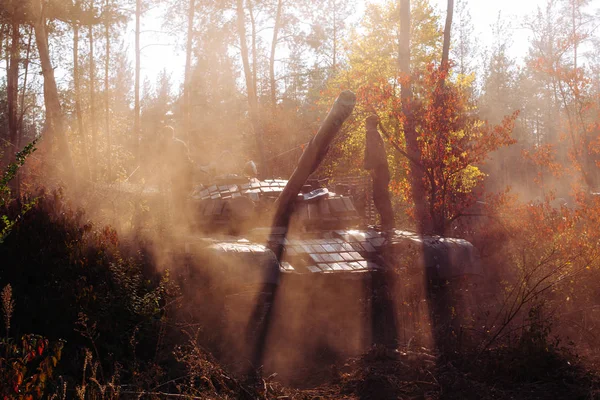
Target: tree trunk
(77, 89)
(3, 32)
(136, 121)
(250, 87)
(54, 116)
(22, 115)
(107, 93)
(447, 31)
(187, 108)
(12, 89)
(241, 24)
(412, 146)
(333, 11)
(574, 33)
(24, 88)
(254, 52)
(272, 59)
(93, 122)
(2, 42)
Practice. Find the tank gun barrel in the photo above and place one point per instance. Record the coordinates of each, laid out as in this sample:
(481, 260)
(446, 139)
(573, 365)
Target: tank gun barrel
(313, 155)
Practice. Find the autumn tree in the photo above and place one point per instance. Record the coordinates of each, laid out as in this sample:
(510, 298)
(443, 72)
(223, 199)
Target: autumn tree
(380, 72)
(562, 89)
(453, 144)
(428, 117)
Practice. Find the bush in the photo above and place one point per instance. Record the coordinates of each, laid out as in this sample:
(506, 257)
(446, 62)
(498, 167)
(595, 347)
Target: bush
(71, 282)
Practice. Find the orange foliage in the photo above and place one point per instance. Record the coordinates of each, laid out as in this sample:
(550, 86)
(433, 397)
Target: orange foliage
(453, 141)
(544, 156)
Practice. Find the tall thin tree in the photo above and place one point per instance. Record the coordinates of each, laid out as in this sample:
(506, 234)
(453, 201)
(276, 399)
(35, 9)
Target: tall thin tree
(250, 84)
(253, 40)
(12, 85)
(77, 86)
(410, 132)
(136, 121)
(92, 73)
(335, 36)
(107, 20)
(24, 87)
(447, 31)
(2, 29)
(55, 124)
(22, 108)
(188, 67)
(276, 28)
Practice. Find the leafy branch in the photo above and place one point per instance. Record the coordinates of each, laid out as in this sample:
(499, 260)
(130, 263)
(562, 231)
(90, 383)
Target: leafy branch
(5, 193)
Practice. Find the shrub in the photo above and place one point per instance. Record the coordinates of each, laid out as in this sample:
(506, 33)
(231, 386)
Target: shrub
(73, 283)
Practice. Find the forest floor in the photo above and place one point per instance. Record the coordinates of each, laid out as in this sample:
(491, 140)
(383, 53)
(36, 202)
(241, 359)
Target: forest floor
(419, 374)
(91, 270)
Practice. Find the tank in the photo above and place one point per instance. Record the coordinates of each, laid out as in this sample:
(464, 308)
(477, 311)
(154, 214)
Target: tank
(327, 233)
(290, 273)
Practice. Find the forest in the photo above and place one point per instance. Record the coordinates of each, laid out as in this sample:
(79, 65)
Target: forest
(313, 199)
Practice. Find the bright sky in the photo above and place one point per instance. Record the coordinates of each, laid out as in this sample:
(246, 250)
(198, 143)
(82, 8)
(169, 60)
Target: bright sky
(484, 13)
(157, 55)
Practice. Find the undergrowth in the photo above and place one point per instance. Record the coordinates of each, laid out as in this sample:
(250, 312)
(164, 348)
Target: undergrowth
(85, 319)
